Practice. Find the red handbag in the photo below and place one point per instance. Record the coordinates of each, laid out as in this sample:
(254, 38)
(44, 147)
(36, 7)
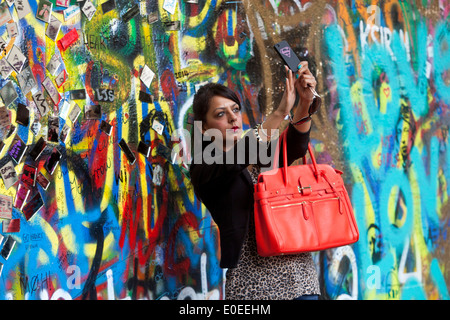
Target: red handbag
(302, 208)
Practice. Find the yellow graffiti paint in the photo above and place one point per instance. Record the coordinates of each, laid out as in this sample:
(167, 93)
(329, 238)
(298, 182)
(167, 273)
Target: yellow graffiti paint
(376, 156)
(385, 97)
(89, 249)
(189, 43)
(69, 238)
(228, 50)
(195, 21)
(141, 160)
(397, 210)
(369, 212)
(109, 173)
(60, 192)
(43, 257)
(50, 234)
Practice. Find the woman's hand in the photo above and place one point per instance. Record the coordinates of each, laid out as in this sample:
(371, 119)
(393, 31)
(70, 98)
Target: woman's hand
(302, 85)
(304, 82)
(288, 99)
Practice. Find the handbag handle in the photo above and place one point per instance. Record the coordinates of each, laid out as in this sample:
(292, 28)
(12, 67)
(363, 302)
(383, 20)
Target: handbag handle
(283, 140)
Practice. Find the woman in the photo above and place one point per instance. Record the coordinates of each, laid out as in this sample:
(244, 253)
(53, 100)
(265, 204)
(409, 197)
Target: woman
(226, 187)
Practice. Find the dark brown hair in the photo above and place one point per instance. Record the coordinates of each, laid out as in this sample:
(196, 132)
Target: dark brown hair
(204, 95)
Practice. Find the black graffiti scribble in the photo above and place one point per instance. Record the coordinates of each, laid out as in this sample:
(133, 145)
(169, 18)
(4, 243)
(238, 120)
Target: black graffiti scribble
(96, 231)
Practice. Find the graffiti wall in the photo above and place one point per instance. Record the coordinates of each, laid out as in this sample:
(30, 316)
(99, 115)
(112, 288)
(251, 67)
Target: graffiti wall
(95, 196)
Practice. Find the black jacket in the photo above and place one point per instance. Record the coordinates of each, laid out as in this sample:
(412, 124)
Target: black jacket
(227, 191)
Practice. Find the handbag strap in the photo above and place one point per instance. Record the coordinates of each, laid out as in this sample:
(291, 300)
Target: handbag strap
(283, 141)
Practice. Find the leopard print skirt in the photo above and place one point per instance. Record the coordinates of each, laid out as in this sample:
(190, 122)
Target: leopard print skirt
(269, 278)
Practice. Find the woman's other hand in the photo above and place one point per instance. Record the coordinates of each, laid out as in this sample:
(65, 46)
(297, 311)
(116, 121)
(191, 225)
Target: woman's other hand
(305, 81)
(288, 99)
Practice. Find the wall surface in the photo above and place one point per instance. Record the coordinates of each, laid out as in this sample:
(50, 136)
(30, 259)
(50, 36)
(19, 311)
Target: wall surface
(106, 227)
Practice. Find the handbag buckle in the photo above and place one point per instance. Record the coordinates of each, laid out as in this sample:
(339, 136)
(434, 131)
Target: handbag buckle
(300, 190)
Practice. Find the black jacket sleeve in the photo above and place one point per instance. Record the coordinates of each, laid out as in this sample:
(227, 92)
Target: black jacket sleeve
(246, 151)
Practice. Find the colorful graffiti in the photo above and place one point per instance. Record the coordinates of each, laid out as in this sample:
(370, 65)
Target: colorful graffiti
(98, 205)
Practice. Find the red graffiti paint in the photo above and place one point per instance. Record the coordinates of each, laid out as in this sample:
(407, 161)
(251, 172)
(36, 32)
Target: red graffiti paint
(88, 86)
(169, 86)
(98, 156)
(188, 219)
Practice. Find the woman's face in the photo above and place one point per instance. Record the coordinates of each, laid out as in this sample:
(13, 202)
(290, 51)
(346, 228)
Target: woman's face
(224, 115)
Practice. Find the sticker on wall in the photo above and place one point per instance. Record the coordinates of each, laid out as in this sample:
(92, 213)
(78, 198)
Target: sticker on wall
(170, 5)
(108, 6)
(74, 113)
(38, 148)
(63, 3)
(157, 175)
(27, 81)
(4, 118)
(52, 161)
(147, 76)
(79, 94)
(157, 126)
(11, 131)
(10, 226)
(172, 25)
(51, 90)
(105, 127)
(61, 78)
(92, 112)
(22, 115)
(33, 206)
(8, 93)
(5, 68)
(54, 64)
(16, 59)
(88, 10)
(126, 149)
(8, 247)
(5, 207)
(42, 180)
(22, 194)
(53, 28)
(53, 129)
(17, 149)
(131, 13)
(64, 133)
(71, 12)
(68, 39)
(145, 97)
(35, 127)
(22, 7)
(44, 10)
(41, 103)
(5, 14)
(64, 109)
(3, 46)
(9, 174)
(152, 17)
(144, 149)
(28, 176)
(11, 27)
